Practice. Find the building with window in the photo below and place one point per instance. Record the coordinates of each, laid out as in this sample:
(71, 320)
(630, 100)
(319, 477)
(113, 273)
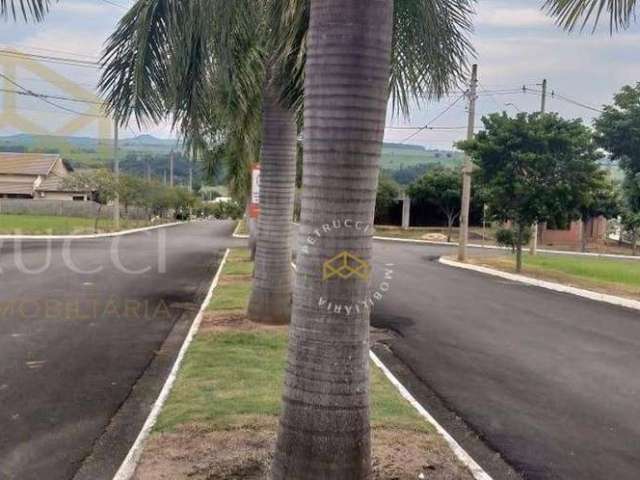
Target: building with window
(37, 176)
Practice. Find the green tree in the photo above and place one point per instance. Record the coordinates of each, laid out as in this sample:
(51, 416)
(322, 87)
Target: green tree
(214, 66)
(442, 188)
(600, 198)
(618, 129)
(386, 197)
(630, 215)
(533, 167)
(102, 184)
(324, 429)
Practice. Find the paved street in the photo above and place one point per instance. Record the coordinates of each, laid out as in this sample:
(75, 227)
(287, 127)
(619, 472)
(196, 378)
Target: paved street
(72, 345)
(547, 379)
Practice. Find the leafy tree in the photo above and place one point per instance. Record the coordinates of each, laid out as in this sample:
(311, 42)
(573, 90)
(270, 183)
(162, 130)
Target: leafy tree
(102, 184)
(386, 198)
(440, 188)
(533, 167)
(601, 198)
(630, 215)
(618, 128)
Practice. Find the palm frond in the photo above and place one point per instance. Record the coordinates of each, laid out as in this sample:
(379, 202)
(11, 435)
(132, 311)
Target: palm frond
(430, 49)
(135, 80)
(572, 14)
(27, 9)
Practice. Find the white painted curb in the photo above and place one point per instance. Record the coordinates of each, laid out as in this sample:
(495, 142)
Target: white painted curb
(89, 236)
(130, 463)
(466, 459)
(495, 247)
(239, 235)
(476, 470)
(558, 287)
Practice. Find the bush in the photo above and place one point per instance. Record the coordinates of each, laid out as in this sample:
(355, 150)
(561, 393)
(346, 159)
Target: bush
(507, 237)
(222, 210)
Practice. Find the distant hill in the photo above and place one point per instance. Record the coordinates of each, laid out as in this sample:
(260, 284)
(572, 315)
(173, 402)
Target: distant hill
(408, 161)
(86, 152)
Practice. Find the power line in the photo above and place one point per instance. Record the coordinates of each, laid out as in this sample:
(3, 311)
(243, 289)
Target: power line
(441, 114)
(50, 59)
(109, 2)
(44, 99)
(52, 97)
(51, 50)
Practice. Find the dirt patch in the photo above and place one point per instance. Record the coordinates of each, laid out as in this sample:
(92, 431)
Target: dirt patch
(235, 279)
(197, 454)
(221, 322)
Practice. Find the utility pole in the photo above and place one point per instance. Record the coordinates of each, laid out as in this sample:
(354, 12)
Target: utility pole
(534, 230)
(467, 169)
(147, 165)
(116, 174)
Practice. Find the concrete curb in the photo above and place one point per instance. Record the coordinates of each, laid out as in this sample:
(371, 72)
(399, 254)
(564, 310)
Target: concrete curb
(239, 235)
(466, 459)
(558, 287)
(89, 236)
(494, 247)
(475, 469)
(130, 463)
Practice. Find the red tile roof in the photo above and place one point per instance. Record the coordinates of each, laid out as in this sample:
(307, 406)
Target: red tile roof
(27, 163)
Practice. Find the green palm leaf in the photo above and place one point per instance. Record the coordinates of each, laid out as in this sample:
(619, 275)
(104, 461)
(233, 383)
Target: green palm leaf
(571, 14)
(27, 9)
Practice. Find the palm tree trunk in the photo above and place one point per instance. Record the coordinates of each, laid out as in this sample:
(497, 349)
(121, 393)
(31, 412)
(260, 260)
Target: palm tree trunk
(270, 300)
(324, 427)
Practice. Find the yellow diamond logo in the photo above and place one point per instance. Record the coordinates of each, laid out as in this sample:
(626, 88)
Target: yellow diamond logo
(346, 265)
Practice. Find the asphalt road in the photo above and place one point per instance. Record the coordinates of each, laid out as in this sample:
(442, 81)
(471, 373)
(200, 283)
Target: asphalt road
(549, 380)
(74, 344)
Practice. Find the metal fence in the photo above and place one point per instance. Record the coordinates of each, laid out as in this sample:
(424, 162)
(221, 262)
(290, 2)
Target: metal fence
(65, 208)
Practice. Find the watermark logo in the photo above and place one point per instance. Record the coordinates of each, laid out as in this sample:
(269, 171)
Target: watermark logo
(346, 265)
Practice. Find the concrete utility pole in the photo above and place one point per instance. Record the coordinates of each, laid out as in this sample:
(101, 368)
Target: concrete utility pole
(534, 230)
(116, 174)
(147, 165)
(467, 169)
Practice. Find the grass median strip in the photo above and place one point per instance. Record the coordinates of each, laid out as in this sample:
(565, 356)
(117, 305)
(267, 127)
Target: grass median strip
(221, 418)
(605, 275)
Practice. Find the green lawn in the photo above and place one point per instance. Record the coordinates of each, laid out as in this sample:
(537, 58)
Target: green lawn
(233, 378)
(625, 272)
(617, 277)
(49, 225)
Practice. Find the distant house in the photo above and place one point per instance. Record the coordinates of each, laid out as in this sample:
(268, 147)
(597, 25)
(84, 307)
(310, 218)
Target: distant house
(36, 176)
(595, 231)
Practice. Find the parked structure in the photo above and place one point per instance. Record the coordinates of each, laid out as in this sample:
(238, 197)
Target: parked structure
(36, 176)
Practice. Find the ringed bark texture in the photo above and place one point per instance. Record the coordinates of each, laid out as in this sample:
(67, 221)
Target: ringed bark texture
(324, 428)
(270, 300)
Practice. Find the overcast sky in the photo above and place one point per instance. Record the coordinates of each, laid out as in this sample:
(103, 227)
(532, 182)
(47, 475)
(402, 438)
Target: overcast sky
(516, 45)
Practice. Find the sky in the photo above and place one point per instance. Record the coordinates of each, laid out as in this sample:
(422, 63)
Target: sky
(515, 43)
